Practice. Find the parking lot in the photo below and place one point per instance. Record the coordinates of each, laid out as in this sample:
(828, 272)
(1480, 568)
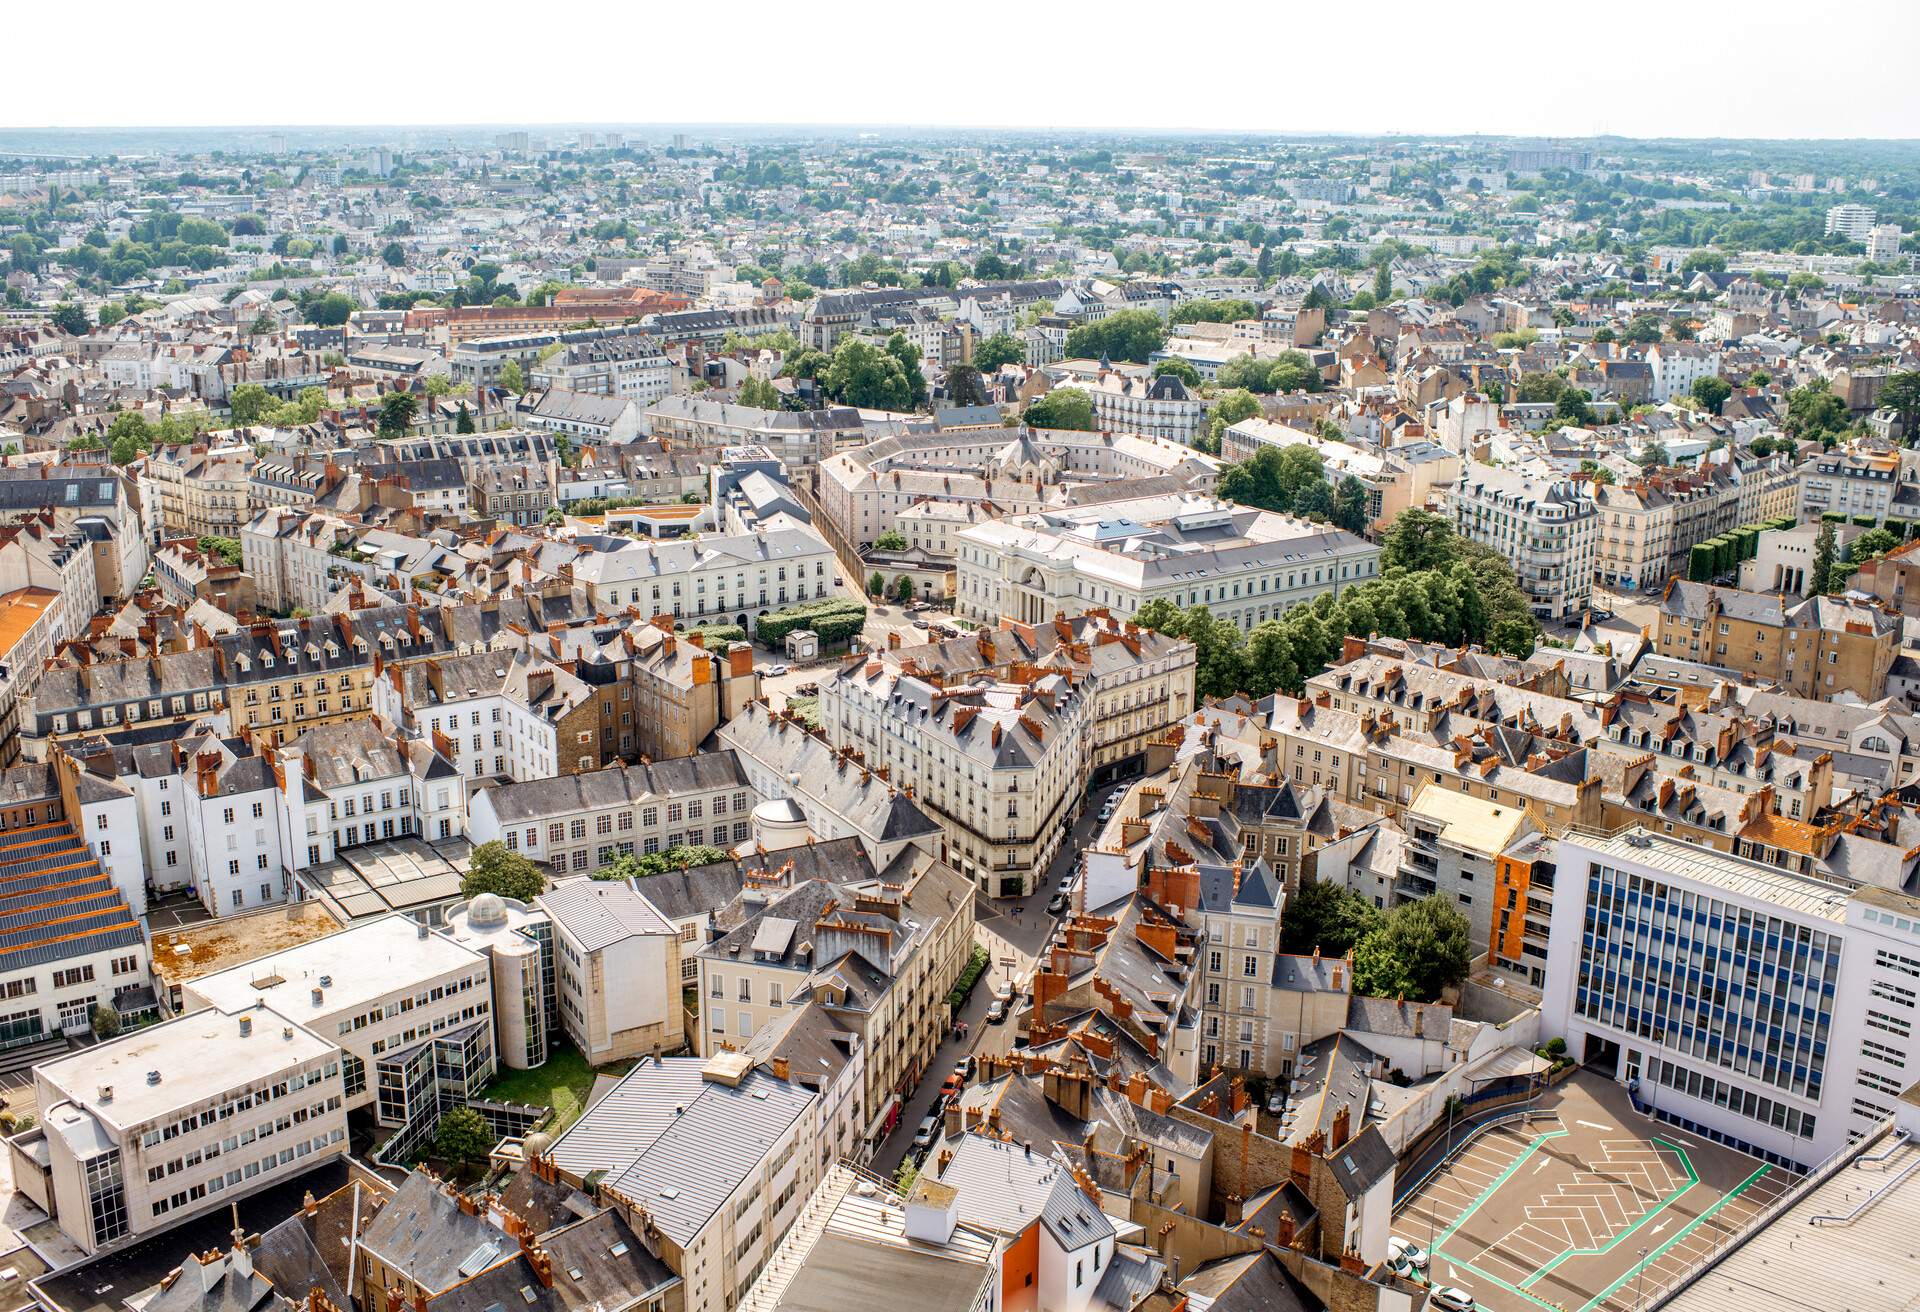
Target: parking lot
(1588, 1207)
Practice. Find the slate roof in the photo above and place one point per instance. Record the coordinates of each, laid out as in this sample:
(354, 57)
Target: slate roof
(597, 913)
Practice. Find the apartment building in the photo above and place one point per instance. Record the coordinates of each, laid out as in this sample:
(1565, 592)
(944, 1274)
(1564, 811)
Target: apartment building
(1677, 366)
(76, 940)
(607, 363)
(797, 437)
(274, 678)
(786, 763)
(409, 1008)
(1633, 535)
(878, 950)
(711, 1158)
(510, 494)
(1453, 848)
(179, 1119)
(581, 822)
(618, 964)
(1245, 565)
(358, 782)
(1861, 485)
(1000, 765)
(96, 501)
(1754, 1006)
(1546, 525)
(716, 578)
(194, 490)
(1812, 648)
(1153, 407)
(495, 715)
(303, 559)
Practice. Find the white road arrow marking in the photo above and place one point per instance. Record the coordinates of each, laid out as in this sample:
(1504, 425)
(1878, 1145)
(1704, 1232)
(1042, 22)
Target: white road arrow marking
(1657, 1229)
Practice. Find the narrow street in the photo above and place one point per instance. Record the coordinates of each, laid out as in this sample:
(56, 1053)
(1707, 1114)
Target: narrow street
(1012, 930)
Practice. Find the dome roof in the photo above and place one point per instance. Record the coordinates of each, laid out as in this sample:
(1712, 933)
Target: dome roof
(487, 911)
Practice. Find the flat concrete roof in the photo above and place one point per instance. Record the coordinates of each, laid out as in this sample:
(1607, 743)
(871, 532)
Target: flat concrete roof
(198, 1057)
(362, 963)
(205, 949)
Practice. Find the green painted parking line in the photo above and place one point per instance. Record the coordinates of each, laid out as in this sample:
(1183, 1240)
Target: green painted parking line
(1493, 1279)
(1693, 1178)
(1492, 1188)
(1682, 1233)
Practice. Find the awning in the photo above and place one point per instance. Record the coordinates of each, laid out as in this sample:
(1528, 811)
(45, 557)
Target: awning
(881, 1123)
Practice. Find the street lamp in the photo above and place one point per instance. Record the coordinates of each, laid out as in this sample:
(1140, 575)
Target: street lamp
(1638, 1277)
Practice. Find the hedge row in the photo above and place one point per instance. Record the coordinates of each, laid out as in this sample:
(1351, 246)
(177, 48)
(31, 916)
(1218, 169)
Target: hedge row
(835, 619)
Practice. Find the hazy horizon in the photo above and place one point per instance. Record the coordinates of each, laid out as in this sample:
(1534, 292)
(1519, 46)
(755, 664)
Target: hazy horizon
(1495, 68)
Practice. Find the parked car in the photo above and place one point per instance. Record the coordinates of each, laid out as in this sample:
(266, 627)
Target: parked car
(1066, 883)
(997, 1012)
(951, 1089)
(1276, 1102)
(918, 623)
(1452, 1298)
(929, 1131)
(1057, 904)
(1405, 1250)
(966, 1066)
(777, 670)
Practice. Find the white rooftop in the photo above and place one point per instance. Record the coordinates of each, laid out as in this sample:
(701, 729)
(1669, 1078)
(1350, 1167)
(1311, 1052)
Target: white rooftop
(360, 964)
(1729, 874)
(198, 1058)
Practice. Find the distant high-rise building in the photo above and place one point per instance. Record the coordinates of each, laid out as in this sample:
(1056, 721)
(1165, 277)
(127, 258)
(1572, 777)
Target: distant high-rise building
(1883, 242)
(514, 143)
(1853, 222)
(1536, 159)
(679, 141)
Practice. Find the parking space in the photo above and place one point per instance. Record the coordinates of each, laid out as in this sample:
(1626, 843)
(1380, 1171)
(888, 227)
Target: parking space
(1588, 1207)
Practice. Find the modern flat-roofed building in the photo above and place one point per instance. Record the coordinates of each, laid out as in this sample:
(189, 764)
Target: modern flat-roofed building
(179, 1118)
(1757, 1007)
(399, 998)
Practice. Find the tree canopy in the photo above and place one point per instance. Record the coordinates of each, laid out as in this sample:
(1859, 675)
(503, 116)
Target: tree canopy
(494, 869)
(1124, 335)
(1001, 348)
(1063, 407)
(1417, 950)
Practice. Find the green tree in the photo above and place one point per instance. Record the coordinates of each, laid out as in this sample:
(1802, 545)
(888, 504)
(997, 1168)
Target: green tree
(1813, 411)
(463, 422)
(1418, 949)
(1712, 392)
(1204, 311)
(396, 414)
(1063, 407)
(1181, 369)
(1873, 543)
(1350, 505)
(909, 357)
(1220, 660)
(1230, 409)
(1573, 406)
(1325, 916)
(902, 589)
(112, 313)
(868, 377)
(876, 585)
(105, 1021)
(891, 540)
(512, 377)
(964, 386)
(249, 403)
(327, 311)
(462, 1136)
(1599, 473)
(760, 394)
(225, 550)
(1125, 335)
(1419, 540)
(70, 319)
(1383, 283)
(394, 254)
(1000, 348)
(1824, 558)
(494, 869)
(1902, 396)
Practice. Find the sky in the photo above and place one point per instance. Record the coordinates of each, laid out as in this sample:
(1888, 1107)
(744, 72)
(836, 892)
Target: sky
(1637, 68)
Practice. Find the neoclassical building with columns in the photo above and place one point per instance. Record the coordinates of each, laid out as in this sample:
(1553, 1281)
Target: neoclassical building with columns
(1245, 565)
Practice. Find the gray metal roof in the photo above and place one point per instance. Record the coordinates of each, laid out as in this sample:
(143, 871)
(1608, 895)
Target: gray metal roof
(678, 1143)
(597, 913)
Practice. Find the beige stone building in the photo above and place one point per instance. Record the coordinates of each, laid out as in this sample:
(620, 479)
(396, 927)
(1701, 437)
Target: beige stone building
(1814, 648)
